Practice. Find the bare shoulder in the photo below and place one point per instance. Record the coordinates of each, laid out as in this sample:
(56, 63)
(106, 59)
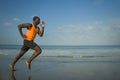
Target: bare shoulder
(38, 28)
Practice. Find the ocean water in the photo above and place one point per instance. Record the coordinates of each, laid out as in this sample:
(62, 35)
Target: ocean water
(89, 53)
(63, 63)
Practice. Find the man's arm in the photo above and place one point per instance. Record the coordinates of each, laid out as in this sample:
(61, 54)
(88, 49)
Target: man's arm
(25, 25)
(41, 32)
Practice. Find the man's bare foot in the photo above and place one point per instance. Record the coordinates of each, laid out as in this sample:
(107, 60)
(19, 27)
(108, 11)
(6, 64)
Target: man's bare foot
(28, 65)
(11, 67)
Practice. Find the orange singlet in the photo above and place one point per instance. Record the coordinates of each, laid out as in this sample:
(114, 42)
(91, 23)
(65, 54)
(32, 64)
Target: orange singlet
(31, 33)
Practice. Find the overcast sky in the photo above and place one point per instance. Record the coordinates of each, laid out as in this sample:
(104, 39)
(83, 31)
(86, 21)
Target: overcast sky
(68, 22)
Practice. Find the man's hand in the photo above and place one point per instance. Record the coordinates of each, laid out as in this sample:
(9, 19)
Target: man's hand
(42, 31)
(43, 24)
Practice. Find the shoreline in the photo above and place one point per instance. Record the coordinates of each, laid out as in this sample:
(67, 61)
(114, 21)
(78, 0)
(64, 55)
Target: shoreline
(63, 64)
(59, 69)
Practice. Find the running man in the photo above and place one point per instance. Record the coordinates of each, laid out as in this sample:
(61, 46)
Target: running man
(32, 30)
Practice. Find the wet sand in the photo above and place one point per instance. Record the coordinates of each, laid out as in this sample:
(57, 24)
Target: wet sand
(60, 68)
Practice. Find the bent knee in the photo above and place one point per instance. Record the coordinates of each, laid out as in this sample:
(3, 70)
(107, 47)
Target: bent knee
(39, 51)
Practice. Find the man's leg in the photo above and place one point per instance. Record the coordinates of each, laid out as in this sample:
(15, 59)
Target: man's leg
(34, 55)
(21, 53)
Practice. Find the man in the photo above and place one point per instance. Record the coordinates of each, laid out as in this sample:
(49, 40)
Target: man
(32, 30)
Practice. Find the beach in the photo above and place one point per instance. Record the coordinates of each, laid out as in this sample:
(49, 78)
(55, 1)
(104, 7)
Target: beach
(63, 64)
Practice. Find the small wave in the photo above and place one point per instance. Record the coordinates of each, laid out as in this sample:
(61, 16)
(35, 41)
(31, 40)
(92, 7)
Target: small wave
(73, 56)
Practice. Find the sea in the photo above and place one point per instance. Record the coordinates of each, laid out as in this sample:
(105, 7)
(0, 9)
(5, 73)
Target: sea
(63, 63)
(102, 53)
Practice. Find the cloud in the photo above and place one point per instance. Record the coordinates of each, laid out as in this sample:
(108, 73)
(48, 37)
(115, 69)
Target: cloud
(16, 19)
(8, 24)
(11, 21)
(100, 33)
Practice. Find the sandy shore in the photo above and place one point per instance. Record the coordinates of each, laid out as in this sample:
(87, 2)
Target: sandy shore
(60, 68)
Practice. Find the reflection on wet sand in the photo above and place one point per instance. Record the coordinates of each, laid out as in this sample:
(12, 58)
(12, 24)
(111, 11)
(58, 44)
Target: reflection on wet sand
(12, 75)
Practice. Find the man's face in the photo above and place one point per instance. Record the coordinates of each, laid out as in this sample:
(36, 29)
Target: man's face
(37, 21)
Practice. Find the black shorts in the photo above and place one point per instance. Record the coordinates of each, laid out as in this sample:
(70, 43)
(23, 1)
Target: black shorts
(28, 45)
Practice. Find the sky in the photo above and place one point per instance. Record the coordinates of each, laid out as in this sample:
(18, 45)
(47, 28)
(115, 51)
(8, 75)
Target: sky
(68, 22)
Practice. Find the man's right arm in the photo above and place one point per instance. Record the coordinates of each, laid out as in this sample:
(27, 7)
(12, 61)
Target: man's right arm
(20, 26)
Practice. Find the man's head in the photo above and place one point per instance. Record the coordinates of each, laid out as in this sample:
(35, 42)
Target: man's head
(36, 20)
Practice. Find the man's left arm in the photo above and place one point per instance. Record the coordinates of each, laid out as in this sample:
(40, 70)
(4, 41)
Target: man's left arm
(41, 32)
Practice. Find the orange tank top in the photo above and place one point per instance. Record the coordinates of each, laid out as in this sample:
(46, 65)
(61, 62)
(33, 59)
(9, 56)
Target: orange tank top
(31, 33)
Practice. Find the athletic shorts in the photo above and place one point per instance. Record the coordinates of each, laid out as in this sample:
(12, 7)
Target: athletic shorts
(28, 45)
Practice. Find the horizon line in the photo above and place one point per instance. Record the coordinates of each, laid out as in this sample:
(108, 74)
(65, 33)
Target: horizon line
(56, 45)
